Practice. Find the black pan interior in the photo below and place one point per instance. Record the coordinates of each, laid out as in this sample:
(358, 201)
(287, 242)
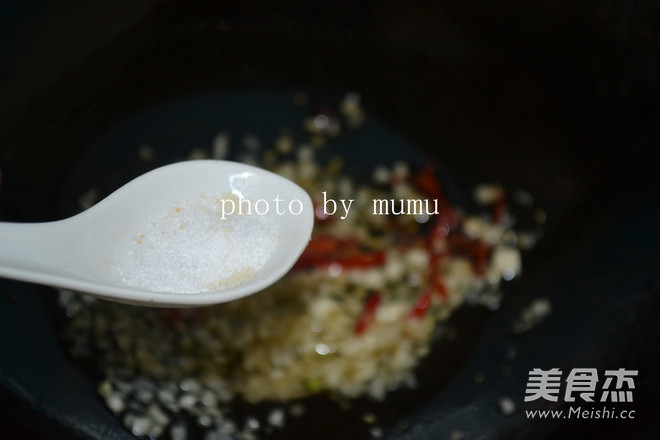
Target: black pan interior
(561, 102)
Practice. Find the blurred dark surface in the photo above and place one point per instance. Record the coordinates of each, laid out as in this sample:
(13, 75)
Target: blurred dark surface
(559, 99)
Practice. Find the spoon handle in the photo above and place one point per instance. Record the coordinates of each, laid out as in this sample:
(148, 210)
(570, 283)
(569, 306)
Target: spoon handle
(31, 251)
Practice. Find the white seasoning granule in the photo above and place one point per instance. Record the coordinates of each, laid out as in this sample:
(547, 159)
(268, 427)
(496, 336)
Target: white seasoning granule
(352, 110)
(88, 199)
(178, 432)
(147, 153)
(284, 144)
(297, 410)
(381, 175)
(507, 406)
(115, 402)
(532, 315)
(486, 194)
(220, 146)
(506, 262)
(190, 248)
(198, 154)
(305, 154)
(351, 104)
(276, 418)
(400, 170)
(249, 159)
(251, 142)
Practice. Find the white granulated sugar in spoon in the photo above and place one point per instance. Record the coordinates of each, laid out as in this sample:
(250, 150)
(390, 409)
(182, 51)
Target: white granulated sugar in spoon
(191, 248)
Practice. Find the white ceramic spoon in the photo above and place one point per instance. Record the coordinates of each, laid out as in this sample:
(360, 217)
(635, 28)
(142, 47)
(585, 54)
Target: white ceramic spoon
(79, 253)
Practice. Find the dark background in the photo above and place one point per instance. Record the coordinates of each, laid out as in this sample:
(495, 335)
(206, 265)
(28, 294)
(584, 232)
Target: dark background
(559, 98)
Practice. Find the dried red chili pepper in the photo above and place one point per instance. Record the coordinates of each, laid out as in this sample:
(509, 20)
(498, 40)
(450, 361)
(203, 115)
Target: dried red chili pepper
(368, 314)
(428, 184)
(361, 260)
(476, 250)
(499, 208)
(320, 214)
(440, 287)
(323, 251)
(422, 306)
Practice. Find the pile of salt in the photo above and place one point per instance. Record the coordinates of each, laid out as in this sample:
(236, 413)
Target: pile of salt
(190, 248)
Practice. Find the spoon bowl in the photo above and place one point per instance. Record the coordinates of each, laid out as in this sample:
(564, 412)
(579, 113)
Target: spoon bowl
(82, 253)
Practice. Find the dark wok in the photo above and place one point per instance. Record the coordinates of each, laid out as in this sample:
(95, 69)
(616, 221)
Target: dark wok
(561, 101)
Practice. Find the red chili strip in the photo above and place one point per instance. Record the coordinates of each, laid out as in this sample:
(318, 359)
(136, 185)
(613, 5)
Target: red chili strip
(422, 305)
(440, 287)
(323, 251)
(443, 224)
(476, 250)
(368, 314)
(428, 184)
(361, 260)
(319, 213)
(499, 209)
